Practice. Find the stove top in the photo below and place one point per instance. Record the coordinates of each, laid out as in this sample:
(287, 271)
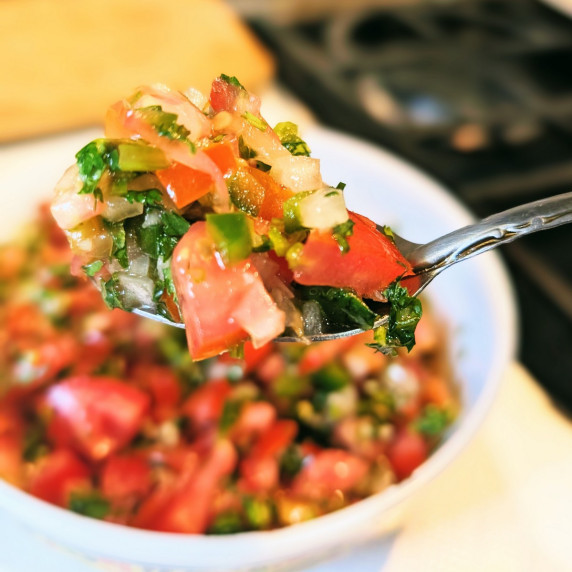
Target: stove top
(479, 94)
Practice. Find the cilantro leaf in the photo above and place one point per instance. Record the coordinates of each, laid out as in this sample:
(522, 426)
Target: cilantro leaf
(433, 421)
(93, 268)
(232, 80)
(89, 504)
(92, 161)
(341, 232)
(341, 306)
(244, 150)
(164, 123)
(255, 121)
(149, 197)
(404, 315)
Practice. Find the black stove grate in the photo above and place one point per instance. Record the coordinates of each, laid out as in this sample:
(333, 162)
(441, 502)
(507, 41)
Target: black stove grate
(479, 94)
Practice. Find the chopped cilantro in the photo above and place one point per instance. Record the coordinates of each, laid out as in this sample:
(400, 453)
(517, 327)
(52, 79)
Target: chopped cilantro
(230, 414)
(290, 462)
(341, 186)
(93, 268)
(174, 224)
(119, 250)
(331, 377)
(260, 165)
(232, 80)
(341, 306)
(404, 315)
(341, 232)
(35, 443)
(255, 121)
(164, 123)
(92, 161)
(89, 504)
(150, 197)
(112, 293)
(288, 134)
(433, 421)
(244, 150)
(226, 523)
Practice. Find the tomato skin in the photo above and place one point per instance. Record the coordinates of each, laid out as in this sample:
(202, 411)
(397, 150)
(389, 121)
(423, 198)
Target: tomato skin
(255, 418)
(222, 305)
(371, 265)
(58, 474)
(126, 476)
(329, 470)
(95, 415)
(205, 405)
(407, 451)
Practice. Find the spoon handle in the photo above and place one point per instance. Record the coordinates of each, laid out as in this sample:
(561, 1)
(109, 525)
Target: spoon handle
(491, 232)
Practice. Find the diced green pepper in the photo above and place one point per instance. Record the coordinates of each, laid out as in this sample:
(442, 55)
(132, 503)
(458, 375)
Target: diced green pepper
(231, 234)
(140, 157)
(226, 523)
(89, 504)
(292, 218)
(259, 513)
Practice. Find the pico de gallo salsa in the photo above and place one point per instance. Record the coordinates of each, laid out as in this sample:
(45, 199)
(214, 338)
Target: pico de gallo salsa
(196, 209)
(105, 413)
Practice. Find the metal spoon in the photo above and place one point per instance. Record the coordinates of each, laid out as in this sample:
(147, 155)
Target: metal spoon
(429, 260)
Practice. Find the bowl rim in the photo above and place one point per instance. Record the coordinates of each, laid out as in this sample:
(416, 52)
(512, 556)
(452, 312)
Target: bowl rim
(72, 529)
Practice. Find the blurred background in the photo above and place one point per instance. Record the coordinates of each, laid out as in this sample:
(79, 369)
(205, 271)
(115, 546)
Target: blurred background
(476, 92)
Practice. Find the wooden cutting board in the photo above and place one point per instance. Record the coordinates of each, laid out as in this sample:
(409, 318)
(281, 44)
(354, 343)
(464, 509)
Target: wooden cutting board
(63, 62)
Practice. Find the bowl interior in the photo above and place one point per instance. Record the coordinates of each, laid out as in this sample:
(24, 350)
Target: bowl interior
(474, 300)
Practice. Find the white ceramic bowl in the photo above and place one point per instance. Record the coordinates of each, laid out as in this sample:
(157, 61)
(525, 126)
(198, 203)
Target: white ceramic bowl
(474, 299)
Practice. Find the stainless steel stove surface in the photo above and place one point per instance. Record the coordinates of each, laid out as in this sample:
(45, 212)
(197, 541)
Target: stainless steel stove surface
(476, 92)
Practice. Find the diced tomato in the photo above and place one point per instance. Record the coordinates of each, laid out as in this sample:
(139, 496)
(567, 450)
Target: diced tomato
(126, 476)
(221, 305)
(271, 367)
(274, 441)
(205, 405)
(371, 265)
(407, 451)
(163, 385)
(328, 471)
(189, 508)
(223, 156)
(184, 184)
(260, 469)
(223, 95)
(11, 464)
(253, 356)
(255, 418)
(95, 415)
(59, 474)
(274, 197)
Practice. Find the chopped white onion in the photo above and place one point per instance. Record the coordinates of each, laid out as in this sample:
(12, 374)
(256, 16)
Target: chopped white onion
(312, 316)
(323, 209)
(297, 172)
(139, 266)
(137, 290)
(119, 208)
